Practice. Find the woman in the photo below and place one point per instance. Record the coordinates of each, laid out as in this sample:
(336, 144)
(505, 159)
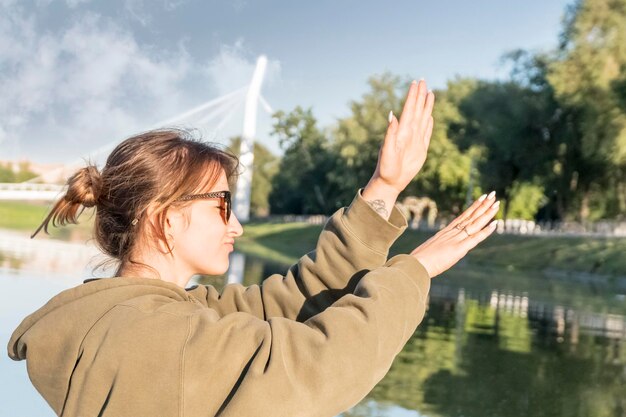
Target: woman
(311, 343)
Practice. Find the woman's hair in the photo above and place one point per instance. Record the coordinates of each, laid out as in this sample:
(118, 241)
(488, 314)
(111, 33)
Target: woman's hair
(155, 167)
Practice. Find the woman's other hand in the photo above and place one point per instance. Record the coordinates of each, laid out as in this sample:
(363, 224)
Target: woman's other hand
(452, 243)
(404, 149)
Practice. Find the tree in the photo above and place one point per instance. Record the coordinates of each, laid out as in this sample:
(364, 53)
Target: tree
(551, 140)
(357, 139)
(301, 185)
(23, 173)
(264, 169)
(6, 173)
(587, 75)
(506, 127)
(561, 124)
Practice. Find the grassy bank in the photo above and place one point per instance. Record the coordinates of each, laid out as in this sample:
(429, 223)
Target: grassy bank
(285, 243)
(20, 216)
(605, 256)
(26, 217)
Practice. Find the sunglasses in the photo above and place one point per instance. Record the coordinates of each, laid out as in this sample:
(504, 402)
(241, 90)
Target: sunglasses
(225, 202)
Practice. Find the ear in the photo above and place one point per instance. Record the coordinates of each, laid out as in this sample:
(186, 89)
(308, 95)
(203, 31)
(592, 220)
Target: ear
(173, 224)
(175, 221)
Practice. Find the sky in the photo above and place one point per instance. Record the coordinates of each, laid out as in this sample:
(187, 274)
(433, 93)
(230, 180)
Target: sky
(79, 75)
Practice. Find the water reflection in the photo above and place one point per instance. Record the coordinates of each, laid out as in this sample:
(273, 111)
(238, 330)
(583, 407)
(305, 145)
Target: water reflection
(46, 257)
(244, 269)
(521, 349)
(508, 355)
(491, 344)
(474, 359)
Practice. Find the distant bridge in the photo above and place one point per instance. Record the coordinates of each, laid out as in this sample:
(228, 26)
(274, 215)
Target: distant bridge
(216, 112)
(29, 191)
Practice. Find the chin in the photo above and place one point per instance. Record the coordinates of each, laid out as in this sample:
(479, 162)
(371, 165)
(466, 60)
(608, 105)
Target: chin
(216, 270)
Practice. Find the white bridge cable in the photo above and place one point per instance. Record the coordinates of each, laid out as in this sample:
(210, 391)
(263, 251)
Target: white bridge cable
(224, 108)
(176, 119)
(225, 103)
(231, 111)
(229, 115)
(220, 104)
(266, 106)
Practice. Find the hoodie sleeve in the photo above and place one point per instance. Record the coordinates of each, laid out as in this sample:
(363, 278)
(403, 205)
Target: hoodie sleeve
(353, 241)
(319, 367)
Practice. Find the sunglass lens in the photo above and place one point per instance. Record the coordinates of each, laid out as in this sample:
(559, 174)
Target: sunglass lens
(228, 207)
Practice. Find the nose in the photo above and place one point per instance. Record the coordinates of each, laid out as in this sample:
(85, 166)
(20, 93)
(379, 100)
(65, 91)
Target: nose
(234, 226)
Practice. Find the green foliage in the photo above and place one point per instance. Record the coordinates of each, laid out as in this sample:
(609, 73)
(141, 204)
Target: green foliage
(6, 174)
(265, 167)
(286, 242)
(320, 171)
(357, 138)
(446, 174)
(587, 75)
(23, 173)
(301, 184)
(507, 126)
(526, 199)
(551, 140)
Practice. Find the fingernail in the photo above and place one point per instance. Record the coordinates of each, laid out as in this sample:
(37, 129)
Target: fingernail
(496, 205)
(413, 82)
(493, 224)
(390, 118)
(491, 195)
(482, 197)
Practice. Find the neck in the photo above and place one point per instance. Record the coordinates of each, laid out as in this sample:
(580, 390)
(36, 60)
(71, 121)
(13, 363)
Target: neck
(155, 266)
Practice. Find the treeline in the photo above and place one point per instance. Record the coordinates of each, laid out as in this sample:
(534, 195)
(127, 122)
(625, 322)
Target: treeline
(551, 139)
(10, 175)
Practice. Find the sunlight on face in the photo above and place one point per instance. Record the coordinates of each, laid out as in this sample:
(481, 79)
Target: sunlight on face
(204, 244)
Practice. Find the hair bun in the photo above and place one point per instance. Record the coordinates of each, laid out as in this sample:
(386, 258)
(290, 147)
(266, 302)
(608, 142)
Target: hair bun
(84, 187)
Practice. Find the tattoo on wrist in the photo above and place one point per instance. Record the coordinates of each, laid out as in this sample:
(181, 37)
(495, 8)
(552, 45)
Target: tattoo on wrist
(379, 207)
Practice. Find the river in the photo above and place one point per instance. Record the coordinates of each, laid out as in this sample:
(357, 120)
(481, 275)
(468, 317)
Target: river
(493, 342)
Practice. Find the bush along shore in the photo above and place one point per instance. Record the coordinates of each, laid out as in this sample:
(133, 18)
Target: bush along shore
(560, 256)
(581, 258)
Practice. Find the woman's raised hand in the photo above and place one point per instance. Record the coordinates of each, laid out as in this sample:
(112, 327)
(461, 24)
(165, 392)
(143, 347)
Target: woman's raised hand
(406, 143)
(452, 243)
(404, 149)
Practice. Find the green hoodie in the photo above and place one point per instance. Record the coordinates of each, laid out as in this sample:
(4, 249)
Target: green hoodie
(311, 343)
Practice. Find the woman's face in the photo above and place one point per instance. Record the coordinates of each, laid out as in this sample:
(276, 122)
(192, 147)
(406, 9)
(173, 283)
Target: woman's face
(201, 239)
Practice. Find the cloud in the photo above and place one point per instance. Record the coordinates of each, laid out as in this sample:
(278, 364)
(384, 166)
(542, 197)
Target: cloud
(238, 5)
(3, 134)
(143, 13)
(73, 3)
(173, 4)
(84, 83)
(90, 82)
(137, 11)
